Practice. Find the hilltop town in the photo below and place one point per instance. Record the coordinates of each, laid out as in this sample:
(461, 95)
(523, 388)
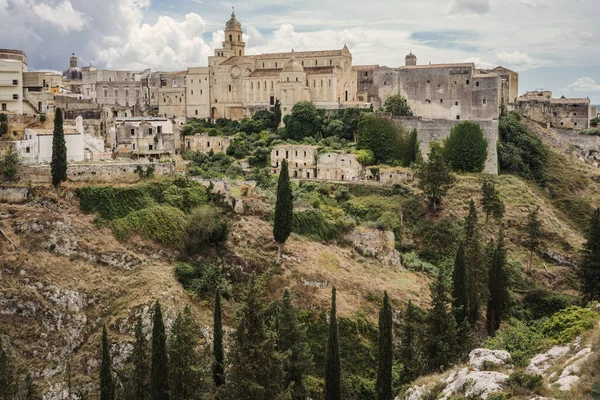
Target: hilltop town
(294, 226)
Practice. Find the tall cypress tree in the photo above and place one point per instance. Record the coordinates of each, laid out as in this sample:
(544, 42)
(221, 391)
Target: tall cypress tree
(333, 381)
(441, 327)
(475, 265)
(184, 359)
(218, 364)
(291, 342)
(107, 385)
(410, 350)
(159, 374)
(58, 166)
(497, 287)
(30, 389)
(383, 384)
(589, 267)
(284, 209)
(277, 113)
(8, 383)
(460, 294)
(139, 359)
(533, 231)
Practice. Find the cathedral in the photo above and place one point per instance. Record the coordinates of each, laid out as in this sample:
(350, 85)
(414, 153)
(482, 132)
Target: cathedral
(235, 85)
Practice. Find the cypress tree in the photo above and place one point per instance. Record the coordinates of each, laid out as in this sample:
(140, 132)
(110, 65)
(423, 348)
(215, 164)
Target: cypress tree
(460, 294)
(139, 359)
(8, 383)
(533, 230)
(277, 113)
(291, 342)
(383, 384)
(410, 352)
(475, 266)
(497, 287)
(284, 208)
(107, 385)
(218, 364)
(333, 382)
(589, 267)
(490, 200)
(159, 374)
(58, 165)
(441, 327)
(183, 357)
(31, 391)
(435, 178)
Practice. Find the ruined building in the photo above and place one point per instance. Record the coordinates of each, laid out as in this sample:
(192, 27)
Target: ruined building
(567, 113)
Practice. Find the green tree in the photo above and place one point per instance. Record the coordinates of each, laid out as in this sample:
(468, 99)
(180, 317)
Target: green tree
(333, 380)
(284, 209)
(397, 106)
(8, 382)
(498, 287)
(410, 338)
(277, 114)
(460, 292)
(435, 178)
(490, 200)
(383, 385)
(10, 164)
(440, 343)
(589, 267)
(256, 369)
(30, 389)
(379, 135)
(465, 150)
(58, 165)
(206, 227)
(303, 122)
(533, 231)
(476, 268)
(291, 341)
(139, 359)
(107, 385)
(218, 364)
(184, 360)
(159, 372)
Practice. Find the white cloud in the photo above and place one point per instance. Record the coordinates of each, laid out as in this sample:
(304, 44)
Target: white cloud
(470, 6)
(479, 63)
(518, 59)
(585, 85)
(62, 15)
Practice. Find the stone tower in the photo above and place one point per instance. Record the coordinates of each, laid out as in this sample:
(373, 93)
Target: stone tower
(410, 59)
(234, 38)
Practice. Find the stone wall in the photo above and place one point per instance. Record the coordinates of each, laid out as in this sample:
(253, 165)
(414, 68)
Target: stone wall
(436, 130)
(9, 194)
(97, 173)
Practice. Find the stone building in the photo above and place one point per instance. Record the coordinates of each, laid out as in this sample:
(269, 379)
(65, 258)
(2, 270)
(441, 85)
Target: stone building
(114, 88)
(241, 84)
(143, 137)
(172, 94)
(13, 63)
(567, 113)
(197, 92)
(395, 176)
(302, 160)
(203, 143)
(339, 167)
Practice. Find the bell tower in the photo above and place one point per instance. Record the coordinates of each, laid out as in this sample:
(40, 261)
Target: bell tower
(233, 45)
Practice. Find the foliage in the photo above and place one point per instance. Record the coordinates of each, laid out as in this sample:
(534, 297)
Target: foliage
(58, 165)
(107, 385)
(284, 208)
(364, 156)
(521, 383)
(383, 386)
(163, 224)
(590, 132)
(212, 165)
(476, 265)
(521, 340)
(218, 361)
(206, 227)
(520, 152)
(140, 379)
(304, 121)
(589, 266)
(437, 241)
(497, 287)
(543, 303)
(159, 372)
(30, 389)
(372, 207)
(10, 164)
(412, 262)
(490, 200)
(564, 325)
(203, 279)
(8, 382)
(533, 231)
(595, 121)
(333, 386)
(465, 150)
(315, 224)
(460, 293)
(380, 135)
(397, 106)
(412, 330)
(435, 178)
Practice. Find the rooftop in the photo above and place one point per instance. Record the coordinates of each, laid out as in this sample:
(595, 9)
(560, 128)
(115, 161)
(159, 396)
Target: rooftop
(426, 66)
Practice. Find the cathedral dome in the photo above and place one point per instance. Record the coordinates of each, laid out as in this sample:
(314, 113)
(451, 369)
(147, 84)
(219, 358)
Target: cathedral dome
(233, 23)
(73, 72)
(293, 65)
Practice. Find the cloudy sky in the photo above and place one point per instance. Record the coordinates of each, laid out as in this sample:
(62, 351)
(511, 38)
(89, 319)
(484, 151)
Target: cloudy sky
(553, 44)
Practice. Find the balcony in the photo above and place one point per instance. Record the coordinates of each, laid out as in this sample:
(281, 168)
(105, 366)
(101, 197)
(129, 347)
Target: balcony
(9, 82)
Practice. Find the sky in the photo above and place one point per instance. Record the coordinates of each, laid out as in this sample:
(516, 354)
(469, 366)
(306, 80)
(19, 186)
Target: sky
(553, 44)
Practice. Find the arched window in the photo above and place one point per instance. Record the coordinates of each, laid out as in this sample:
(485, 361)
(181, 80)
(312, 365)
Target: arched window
(296, 79)
(230, 38)
(240, 53)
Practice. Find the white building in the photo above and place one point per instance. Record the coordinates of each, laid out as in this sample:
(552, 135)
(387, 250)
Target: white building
(11, 86)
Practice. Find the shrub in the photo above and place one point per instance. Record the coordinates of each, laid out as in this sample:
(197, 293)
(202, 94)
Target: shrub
(520, 383)
(365, 156)
(593, 132)
(114, 202)
(465, 150)
(397, 106)
(42, 118)
(412, 262)
(563, 326)
(359, 388)
(10, 165)
(206, 226)
(202, 279)
(437, 240)
(522, 341)
(316, 225)
(543, 303)
(163, 224)
(379, 135)
(372, 207)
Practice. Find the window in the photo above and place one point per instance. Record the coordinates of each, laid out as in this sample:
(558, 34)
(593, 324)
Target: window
(366, 73)
(27, 150)
(272, 100)
(272, 82)
(196, 113)
(330, 83)
(321, 82)
(150, 147)
(456, 103)
(477, 84)
(207, 144)
(330, 62)
(15, 82)
(275, 64)
(258, 83)
(159, 129)
(192, 92)
(441, 101)
(251, 85)
(314, 83)
(575, 124)
(200, 91)
(192, 81)
(276, 152)
(484, 101)
(458, 117)
(288, 78)
(149, 131)
(3, 106)
(467, 81)
(574, 114)
(230, 88)
(127, 93)
(555, 114)
(15, 97)
(230, 38)
(263, 65)
(240, 53)
(427, 101)
(303, 63)
(296, 153)
(384, 83)
(316, 62)
(304, 154)
(239, 39)
(116, 93)
(428, 81)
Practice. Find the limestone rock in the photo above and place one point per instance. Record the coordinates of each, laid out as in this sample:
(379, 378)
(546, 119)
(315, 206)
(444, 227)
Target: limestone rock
(565, 383)
(474, 383)
(375, 243)
(479, 357)
(541, 362)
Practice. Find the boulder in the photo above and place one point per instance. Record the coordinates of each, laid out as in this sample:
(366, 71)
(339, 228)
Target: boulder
(541, 362)
(565, 383)
(474, 383)
(479, 357)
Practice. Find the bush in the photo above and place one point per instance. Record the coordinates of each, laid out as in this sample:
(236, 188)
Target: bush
(520, 383)
(202, 279)
(372, 207)
(10, 165)
(163, 224)
(563, 326)
(359, 388)
(316, 225)
(206, 226)
(412, 262)
(397, 106)
(465, 150)
(543, 303)
(592, 132)
(42, 118)
(380, 135)
(522, 341)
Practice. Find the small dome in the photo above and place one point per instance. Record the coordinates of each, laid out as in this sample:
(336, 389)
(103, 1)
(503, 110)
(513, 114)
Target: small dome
(233, 23)
(73, 73)
(411, 55)
(293, 65)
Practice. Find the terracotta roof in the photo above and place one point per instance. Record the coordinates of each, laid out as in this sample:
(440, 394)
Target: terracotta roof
(457, 65)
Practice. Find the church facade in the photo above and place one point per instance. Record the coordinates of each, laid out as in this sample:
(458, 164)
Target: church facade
(240, 84)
